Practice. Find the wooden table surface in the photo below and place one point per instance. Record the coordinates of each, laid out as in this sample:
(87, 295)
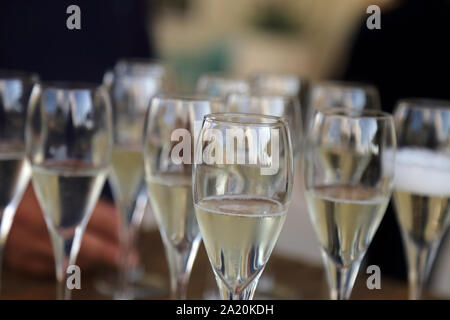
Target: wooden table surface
(283, 278)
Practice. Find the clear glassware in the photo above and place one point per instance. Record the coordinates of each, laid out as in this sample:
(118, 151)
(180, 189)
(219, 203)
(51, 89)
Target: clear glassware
(173, 121)
(284, 106)
(143, 67)
(277, 83)
(69, 139)
(348, 173)
(242, 185)
(285, 84)
(15, 91)
(220, 86)
(340, 94)
(132, 85)
(422, 183)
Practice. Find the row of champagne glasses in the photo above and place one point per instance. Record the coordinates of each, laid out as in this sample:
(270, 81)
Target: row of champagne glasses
(70, 112)
(423, 131)
(67, 140)
(263, 103)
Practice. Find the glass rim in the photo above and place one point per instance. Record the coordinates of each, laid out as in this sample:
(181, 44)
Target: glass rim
(355, 113)
(226, 117)
(186, 97)
(343, 84)
(261, 95)
(6, 74)
(423, 104)
(223, 77)
(69, 85)
(268, 74)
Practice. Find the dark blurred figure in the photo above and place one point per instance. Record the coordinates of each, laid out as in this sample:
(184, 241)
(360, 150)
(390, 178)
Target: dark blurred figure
(408, 57)
(34, 37)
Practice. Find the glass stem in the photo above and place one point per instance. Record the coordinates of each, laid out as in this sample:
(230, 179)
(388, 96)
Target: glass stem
(65, 251)
(131, 217)
(420, 260)
(7, 217)
(125, 251)
(180, 266)
(61, 250)
(246, 293)
(340, 280)
(126, 239)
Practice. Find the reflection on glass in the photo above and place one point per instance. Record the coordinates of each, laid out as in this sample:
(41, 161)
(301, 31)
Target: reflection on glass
(348, 172)
(286, 107)
(422, 183)
(221, 86)
(132, 85)
(241, 195)
(335, 94)
(15, 90)
(171, 124)
(69, 142)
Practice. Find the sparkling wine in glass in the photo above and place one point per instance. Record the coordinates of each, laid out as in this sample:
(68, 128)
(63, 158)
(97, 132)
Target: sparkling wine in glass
(171, 124)
(422, 183)
(242, 178)
(15, 90)
(134, 83)
(68, 142)
(347, 202)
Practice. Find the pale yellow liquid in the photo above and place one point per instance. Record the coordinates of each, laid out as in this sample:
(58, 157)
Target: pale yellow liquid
(67, 195)
(239, 233)
(127, 174)
(424, 218)
(348, 163)
(345, 219)
(171, 199)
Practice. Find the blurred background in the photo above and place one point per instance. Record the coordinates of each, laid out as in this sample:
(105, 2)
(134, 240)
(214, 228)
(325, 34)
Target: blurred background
(310, 38)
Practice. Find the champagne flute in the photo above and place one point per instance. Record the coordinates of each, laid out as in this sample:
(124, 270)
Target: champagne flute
(347, 206)
(68, 142)
(15, 90)
(169, 180)
(220, 86)
(241, 215)
(422, 183)
(134, 84)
